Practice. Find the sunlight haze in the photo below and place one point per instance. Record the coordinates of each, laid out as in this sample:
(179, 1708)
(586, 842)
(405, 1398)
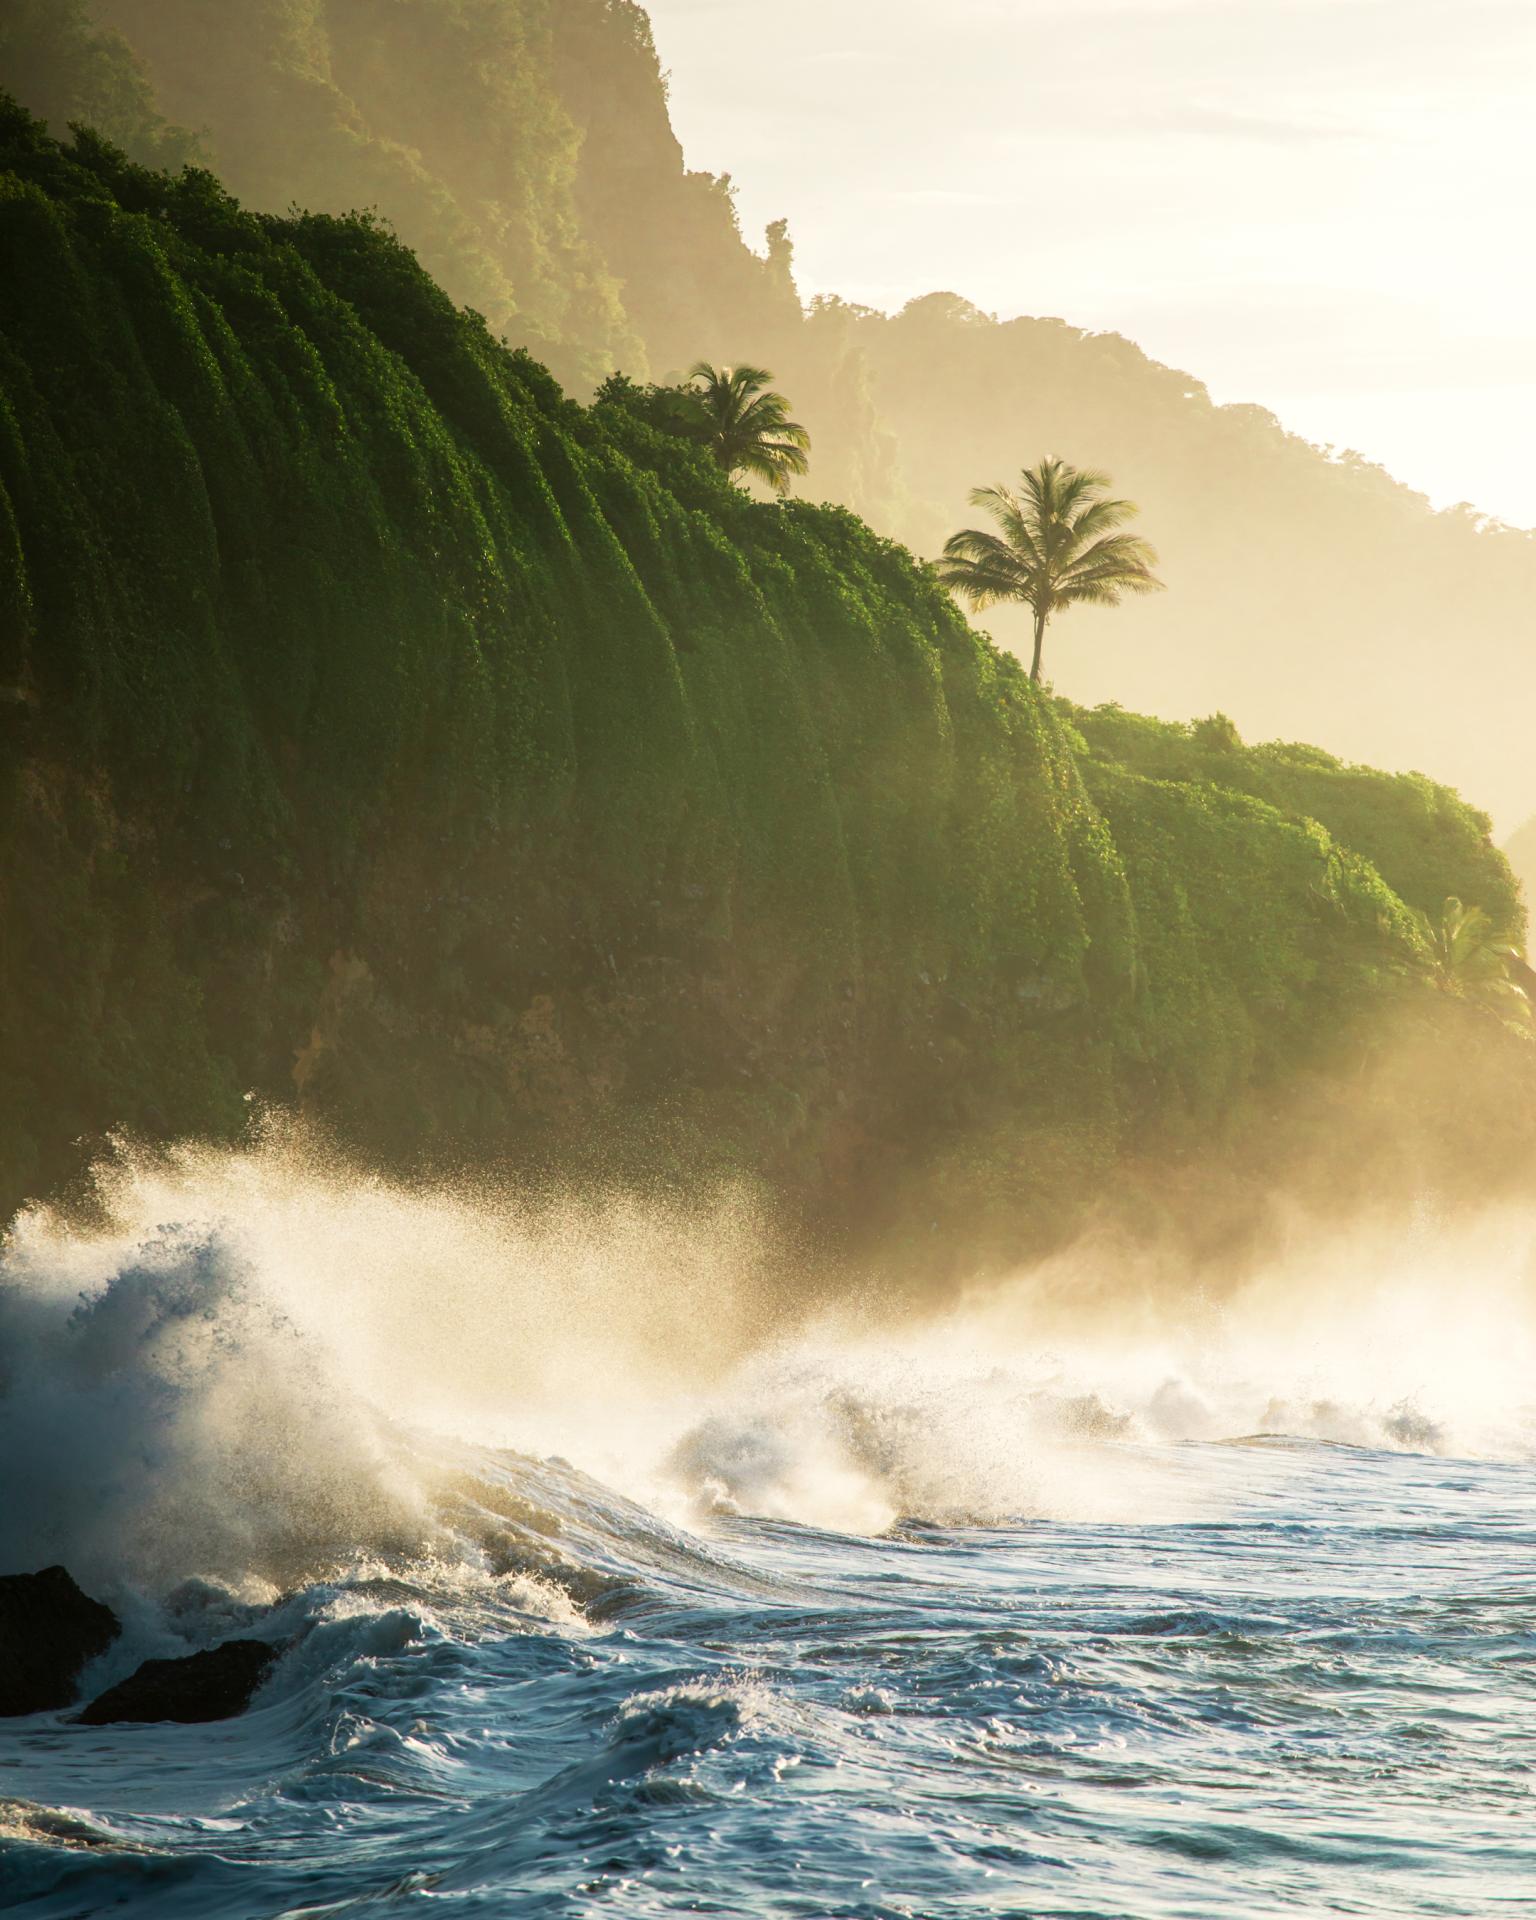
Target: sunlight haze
(767, 958)
(1307, 206)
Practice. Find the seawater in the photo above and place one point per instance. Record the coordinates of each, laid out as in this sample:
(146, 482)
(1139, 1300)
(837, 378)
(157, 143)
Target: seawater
(989, 1612)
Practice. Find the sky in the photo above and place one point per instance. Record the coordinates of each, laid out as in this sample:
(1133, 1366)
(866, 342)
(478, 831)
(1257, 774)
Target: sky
(1322, 206)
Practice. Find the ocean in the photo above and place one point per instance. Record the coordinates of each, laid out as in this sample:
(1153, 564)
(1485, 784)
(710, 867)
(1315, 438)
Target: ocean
(1054, 1599)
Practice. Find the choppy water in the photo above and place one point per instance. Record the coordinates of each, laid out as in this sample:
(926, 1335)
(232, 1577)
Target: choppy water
(1225, 1675)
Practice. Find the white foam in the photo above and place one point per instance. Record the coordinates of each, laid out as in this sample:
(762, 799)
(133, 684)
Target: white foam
(228, 1395)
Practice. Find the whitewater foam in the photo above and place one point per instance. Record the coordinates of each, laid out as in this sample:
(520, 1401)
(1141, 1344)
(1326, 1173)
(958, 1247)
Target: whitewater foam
(245, 1396)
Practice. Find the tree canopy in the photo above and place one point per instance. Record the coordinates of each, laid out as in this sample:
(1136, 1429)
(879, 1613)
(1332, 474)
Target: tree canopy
(1056, 547)
(746, 425)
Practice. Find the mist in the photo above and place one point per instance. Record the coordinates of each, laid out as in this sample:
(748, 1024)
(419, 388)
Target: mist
(713, 1194)
(253, 1366)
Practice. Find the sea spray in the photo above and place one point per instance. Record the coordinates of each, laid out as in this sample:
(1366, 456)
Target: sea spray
(876, 1595)
(246, 1394)
(161, 1417)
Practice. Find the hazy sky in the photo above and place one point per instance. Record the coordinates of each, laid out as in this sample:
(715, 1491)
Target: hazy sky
(1324, 206)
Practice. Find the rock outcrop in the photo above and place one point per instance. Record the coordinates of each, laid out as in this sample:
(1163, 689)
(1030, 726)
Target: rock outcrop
(49, 1629)
(213, 1685)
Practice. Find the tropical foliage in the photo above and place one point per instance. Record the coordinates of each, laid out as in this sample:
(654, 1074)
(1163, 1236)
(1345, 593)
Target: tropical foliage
(1056, 546)
(525, 152)
(1424, 840)
(68, 69)
(746, 425)
(386, 733)
(1467, 958)
(523, 149)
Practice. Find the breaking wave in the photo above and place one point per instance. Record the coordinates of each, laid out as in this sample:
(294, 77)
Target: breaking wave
(606, 1573)
(254, 1367)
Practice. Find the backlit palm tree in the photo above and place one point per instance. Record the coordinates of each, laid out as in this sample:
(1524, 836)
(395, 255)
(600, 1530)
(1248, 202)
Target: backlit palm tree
(1464, 958)
(1056, 547)
(746, 426)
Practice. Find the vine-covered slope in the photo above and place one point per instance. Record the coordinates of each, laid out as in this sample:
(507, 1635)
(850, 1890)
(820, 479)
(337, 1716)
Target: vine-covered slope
(383, 732)
(523, 148)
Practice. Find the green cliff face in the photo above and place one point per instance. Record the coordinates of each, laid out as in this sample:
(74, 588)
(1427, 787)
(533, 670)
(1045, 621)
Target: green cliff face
(523, 149)
(383, 732)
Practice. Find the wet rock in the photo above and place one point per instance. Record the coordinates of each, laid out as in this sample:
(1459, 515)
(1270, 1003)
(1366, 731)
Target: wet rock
(212, 1685)
(49, 1629)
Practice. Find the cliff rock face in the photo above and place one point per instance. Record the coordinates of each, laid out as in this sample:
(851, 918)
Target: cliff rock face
(388, 734)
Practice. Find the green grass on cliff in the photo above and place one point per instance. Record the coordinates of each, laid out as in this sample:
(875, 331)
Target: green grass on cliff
(383, 731)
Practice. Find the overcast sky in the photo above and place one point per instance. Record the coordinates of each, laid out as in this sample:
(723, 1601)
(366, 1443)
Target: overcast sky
(1324, 206)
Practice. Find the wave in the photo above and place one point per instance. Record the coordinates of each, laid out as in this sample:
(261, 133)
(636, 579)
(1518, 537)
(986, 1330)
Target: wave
(256, 1370)
(166, 1418)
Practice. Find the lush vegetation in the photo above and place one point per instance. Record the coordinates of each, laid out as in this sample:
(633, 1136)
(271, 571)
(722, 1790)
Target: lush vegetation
(387, 733)
(69, 70)
(523, 149)
(746, 425)
(732, 413)
(1057, 545)
(1415, 833)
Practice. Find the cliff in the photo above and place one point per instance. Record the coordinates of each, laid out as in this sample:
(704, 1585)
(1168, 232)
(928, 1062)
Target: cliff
(388, 735)
(523, 149)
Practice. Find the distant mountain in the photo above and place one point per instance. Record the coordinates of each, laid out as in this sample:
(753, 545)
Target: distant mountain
(523, 149)
(1520, 851)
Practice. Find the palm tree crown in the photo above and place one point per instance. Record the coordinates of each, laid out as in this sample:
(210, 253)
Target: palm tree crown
(746, 426)
(1056, 547)
(1464, 958)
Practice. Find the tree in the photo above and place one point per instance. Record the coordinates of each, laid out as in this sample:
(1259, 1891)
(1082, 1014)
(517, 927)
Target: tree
(66, 69)
(1465, 960)
(745, 425)
(1057, 547)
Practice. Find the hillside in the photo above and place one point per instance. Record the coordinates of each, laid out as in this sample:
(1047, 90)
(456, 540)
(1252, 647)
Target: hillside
(387, 735)
(529, 160)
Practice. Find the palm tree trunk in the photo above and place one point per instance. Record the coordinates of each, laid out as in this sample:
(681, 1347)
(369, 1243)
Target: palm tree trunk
(1034, 672)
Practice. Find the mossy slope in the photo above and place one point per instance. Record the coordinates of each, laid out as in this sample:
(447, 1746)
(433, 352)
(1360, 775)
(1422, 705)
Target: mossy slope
(385, 732)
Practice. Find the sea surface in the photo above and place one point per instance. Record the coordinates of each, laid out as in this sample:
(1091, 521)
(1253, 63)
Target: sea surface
(911, 1625)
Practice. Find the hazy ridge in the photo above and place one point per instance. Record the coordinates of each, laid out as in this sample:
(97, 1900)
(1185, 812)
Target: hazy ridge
(772, 1269)
(529, 159)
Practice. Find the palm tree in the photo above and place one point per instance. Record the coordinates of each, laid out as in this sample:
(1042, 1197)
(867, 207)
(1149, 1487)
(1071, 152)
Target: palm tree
(1057, 547)
(1465, 960)
(746, 426)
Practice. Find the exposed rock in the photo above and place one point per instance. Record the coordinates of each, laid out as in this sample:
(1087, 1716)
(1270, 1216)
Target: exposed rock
(49, 1629)
(212, 1685)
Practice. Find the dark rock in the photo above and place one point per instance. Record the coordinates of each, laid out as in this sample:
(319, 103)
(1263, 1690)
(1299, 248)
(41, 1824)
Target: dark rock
(48, 1630)
(211, 1685)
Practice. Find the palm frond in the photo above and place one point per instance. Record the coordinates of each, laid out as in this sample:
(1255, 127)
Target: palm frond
(975, 543)
(1118, 559)
(982, 584)
(1056, 546)
(746, 425)
(1102, 516)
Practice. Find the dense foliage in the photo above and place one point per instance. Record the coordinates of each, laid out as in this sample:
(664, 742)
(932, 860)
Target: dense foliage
(385, 732)
(1415, 833)
(523, 149)
(70, 70)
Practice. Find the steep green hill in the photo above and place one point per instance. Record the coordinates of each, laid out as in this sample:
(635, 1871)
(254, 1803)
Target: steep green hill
(523, 149)
(1413, 832)
(383, 732)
